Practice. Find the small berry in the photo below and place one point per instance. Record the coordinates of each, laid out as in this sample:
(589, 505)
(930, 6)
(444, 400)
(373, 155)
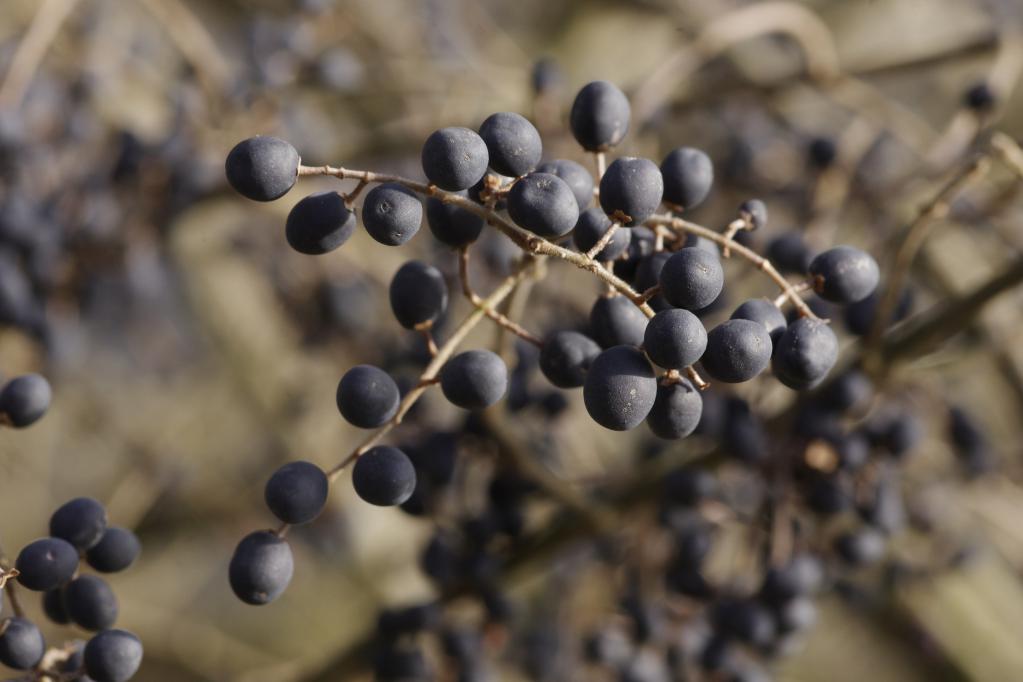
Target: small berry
(737, 351)
(384, 476)
(455, 158)
(262, 168)
(565, 358)
(24, 400)
(513, 143)
(844, 274)
(631, 190)
(692, 278)
(392, 214)
(688, 176)
(600, 116)
(82, 522)
(113, 656)
(418, 293)
(297, 492)
(474, 379)
(46, 564)
(116, 551)
(367, 396)
(620, 388)
(319, 223)
(261, 567)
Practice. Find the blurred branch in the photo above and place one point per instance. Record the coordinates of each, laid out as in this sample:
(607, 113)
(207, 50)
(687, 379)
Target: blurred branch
(40, 34)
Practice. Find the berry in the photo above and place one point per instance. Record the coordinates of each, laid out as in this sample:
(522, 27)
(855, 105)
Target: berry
(455, 158)
(692, 278)
(676, 411)
(566, 357)
(577, 177)
(620, 388)
(116, 551)
(546, 76)
(46, 563)
(805, 353)
(261, 567)
(688, 176)
(789, 253)
(367, 396)
(82, 522)
(754, 212)
(474, 379)
(113, 656)
(543, 204)
(54, 608)
(21, 644)
(297, 492)
(392, 214)
(688, 487)
(593, 224)
(803, 575)
(419, 294)
(262, 168)
(631, 190)
(674, 338)
(319, 223)
(850, 390)
(980, 98)
(24, 399)
(600, 116)
(90, 603)
(860, 547)
(513, 143)
(765, 312)
(737, 351)
(822, 152)
(384, 476)
(844, 275)
(616, 321)
(451, 224)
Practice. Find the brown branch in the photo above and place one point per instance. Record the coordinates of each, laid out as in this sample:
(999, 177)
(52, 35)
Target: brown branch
(477, 302)
(30, 52)
(604, 240)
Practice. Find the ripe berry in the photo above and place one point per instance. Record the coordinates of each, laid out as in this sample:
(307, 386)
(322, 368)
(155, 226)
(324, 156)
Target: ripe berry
(821, 152)
(21, 644)
(384, 476)
(367, 396)
(766, 313)
(513, 143)
(577, 177)
(674, 338)
(262, 168)
(46, 563)
(565, 358)
(24, 399)
(980, 98)
(474, 379)
(261, 567)
(54, 608)
(620, 388)
(616, 321)
(789, 253)
(319, 223)
(805, 353)
(754, 211)
(418, 293)
(631, 190)
(860, 547)
(692, 278)
(116, 551)
(593, 224)
(844, 275)
(676, 411)
(113, 656)
(600, 116)
(802, 576)
(737, 351)
(688, 176)
(81, 522)
(454, 158)
(392, 214)
(451, 224)
(90, 603)
(543, 204)
(297, 492)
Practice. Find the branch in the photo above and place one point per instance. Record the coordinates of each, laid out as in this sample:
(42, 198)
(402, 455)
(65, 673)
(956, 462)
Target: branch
(477, 302)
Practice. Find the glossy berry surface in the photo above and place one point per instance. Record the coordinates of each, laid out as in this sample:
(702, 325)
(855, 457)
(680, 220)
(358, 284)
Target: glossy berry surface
(113, 656)
(261, 567)
(90, 603)
(384, 476)
(367, 396)
(262, 168)
(21, 643)
(116, 551)
(454, 158)
(82, 522)
(46, 563)
(620, 388)
(319, 223)
(24, 400)
(297, 492)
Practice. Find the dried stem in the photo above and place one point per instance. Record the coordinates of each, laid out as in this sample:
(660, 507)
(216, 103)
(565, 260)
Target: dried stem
(476, 301)
(697, 380)
(30, 52)
(602, 242)
(797, 290)
(733, 228)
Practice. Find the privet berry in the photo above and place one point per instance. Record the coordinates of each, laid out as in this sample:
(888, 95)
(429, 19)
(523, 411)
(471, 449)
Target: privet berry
(688, 176)
(90, 603)
(116, 551)
(804, 353)
(262, 168)
(261, 567)
(392, 214)
(54, 608)
(451, 224)
(24, 400)
(82, 522)
(600, 116)
(455, 158)
(319, 223)
(616, 321)
(754, 212)
(692, 278)
(592, 225)
(565, 358)
(46, 563)
(384, 476)
(577, 178)
(474, 379)
(674, 338)
(844, 274)
(631, 190)
(513, 143)
(297, 492)
(113, 656)
(620, 388)
(418, 293)
(543, 204)
(676, 411)
(21, 644)
(367, 396)
(737, 351)
(789, 253)
(765, 312)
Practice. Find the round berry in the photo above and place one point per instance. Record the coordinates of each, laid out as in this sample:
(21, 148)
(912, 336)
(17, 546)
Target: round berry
(844, 274)
(592, 225)
(451, 224)
(805, 353)
(631, 190)
(90, 603)
(384, 476)
(692, 278)
(543, 204)
(419, 294)
(82, 522)
(54, 608)
(617, 321)
(261, 567)
(392, 214)
(21, 644)
(674, 338)
(737, 351)
(860, 547)
(46, 563)
(676, 411)
(765, 312)
(455, 158)
(262, 168)
(620, 388)
(367, 396)
(24, 400)
(297, 492)
(754, 212)
(474, 379)
(513, 143)
(577, 177)
(821, 152)
(113, 656)
(789, 253)
(688, 176)
(565, 358)
(600, 116)
(319, 223)
(980, 98)
(116, 551)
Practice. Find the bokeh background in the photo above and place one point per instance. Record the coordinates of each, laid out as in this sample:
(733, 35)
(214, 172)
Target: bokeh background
(191, 351)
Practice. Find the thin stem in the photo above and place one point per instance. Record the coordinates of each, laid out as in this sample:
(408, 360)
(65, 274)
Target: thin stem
(730, 232)
(501, 320)
(602, 242)
(651, 292)
(601, 164)
(697, 380)
(431, 344)
(9, 585)
(797, 289)
(354, 194)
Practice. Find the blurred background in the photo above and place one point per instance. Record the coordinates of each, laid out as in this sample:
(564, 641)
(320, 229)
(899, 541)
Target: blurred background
(191, 352)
